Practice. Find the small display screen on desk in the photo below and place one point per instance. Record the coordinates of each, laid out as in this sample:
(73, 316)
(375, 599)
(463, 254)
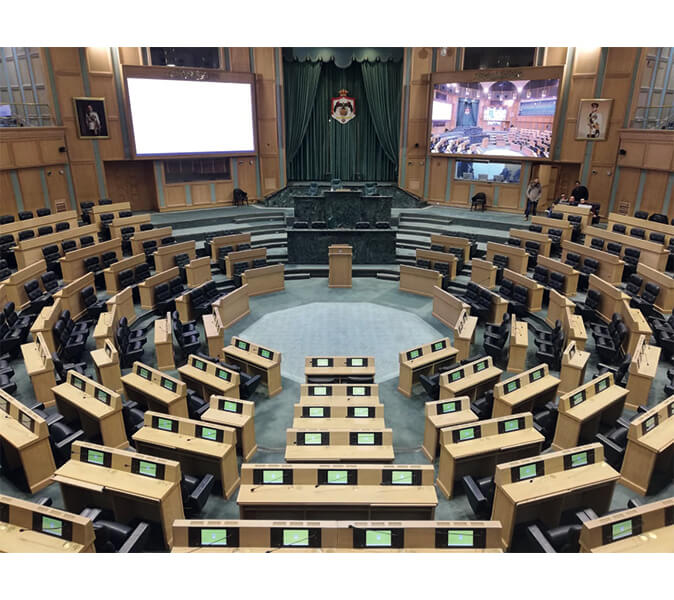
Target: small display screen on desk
(577, 398)
(400, 477)
(511, 425)
(77, 382)
(264, 353)
(378, 538)
(209, 433)
(465, 434)
(356, 362)
(95, 457)
(337, 476)
(360, 412)
(316, 411)
(147, 468)
(446, 407)
(51, 526)
(321, 362)
(578, 459)
(295, 537)
(481, 366)
(527, 471)
(416, 353)
(536, 375)
(649, 424)
(222, 374)
(365, 439)
(144, 373)
(231, 406)
(312, 439)
(358, 390)
(612, 532)
(320, 390)
(168, 384)
(273, 476)
(601, 385)
(511, 386)
(199, 364)
(441, 345)
(456, 375)
(102, 396)
(214, 537)
(26, 421)
(280, 537)
(241, 345)
(164, 424)
(459, 538)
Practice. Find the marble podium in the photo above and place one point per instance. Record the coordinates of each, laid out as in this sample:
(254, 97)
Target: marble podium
(342, 208)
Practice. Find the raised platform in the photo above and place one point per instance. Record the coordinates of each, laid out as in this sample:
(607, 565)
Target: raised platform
(370, 246)
(342, 208)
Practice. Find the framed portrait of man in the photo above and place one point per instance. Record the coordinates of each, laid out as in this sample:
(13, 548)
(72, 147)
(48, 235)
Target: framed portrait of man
(594, 115)
(92, 122)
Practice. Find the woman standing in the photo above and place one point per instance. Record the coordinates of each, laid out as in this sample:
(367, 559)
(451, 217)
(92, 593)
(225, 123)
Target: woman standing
(533, 196)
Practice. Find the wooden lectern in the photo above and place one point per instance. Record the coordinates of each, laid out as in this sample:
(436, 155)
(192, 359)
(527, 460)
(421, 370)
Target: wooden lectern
(340, 266)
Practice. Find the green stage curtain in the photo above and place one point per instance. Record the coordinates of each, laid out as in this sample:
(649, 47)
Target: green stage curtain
(301, 85)
(352, 151)
(383, 106)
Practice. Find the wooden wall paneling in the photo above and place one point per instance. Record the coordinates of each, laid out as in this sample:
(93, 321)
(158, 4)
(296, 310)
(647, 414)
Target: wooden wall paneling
(626, 194)
(7, 194)
(224, 192)
(65, 60)
(267, 137)
(132, 182)
(85, 181)
(49, 151)
(201, 194)
(130, 56)
(509, 197)
(421, 63)
(419, 100)
(599, 185)
(31, 189)
(239, 60)
(174, 196)
(653, 194)
(447, 63)
(460, 195)
(247, 175)
(269, 166)
(581, 87)
(554, 56)
(659, 155)
(26, 153)
(417, 143)
(264, 62)
(98, 60)
(634, 154)
(438, 179)
(266, 99)
(415, 176)
(57, 186)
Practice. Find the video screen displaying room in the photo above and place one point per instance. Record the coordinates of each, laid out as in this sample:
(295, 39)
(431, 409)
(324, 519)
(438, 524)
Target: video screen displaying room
(494, 118)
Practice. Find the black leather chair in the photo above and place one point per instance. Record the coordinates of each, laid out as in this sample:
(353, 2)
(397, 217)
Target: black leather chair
(168, 240)
(633, 285)
(480, 495)
(119, 538)
(550, 352)
(68, 246)
(557, 282)
(561, 539)
(573, 260)
(123, 214)
(5, 271)
(637, 232)
(614, 248)
(125, 278)
(484, 405)
(646, 302)
(141, 272)
(590, 267)
(50, 282)
(51, 256)
(541, 275)
(431, 384)
(37, 298)
(631, 259)
(619, 372)
(536, 228)
(127, 233)
(555, 236)
(300, 225)
(149, 248)
(93, 305)
(61, 439)
(609, 348)
(597, 243)
(641, 214)
(24, 215)
(495, 346)
(577, 224)
(187, 341)
(146, 226)
(163, 300)
(195, 493)
(27, 234)
(318, 225)
(61, 369)
(86, 241)
(196, 405)
(108, 258)
(104, 201)
(129, 351)
(16, 322)
(659, 218)
(519, 304)
(4, 219)
(602, 330)
(619, 228)
(45, 230)
(514, 242)
(247, 384)
(506, 289)
(423, 263)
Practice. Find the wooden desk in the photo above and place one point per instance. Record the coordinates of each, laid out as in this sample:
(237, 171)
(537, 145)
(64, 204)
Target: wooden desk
(238, 414)
(155, 390)
(241, 256)
(471, 379)
(336, 416)
(146, 288)
(611, 297)
(574, 362)
(340, 393)
(339, 258)
(534, 289)
(527, 391)
(451, 241)
(71, 296)
(13, 228)
(198, 272)
(532, 236)
(156, 234)
(648, 226)
(518, 259)
(574, 328)
(24, 437)
(106, 363)
(642, 371)
(163, 343)
(651, 253)
(435, 257)
(165, 256)
(115, 208)
(105, 327)
(519, 343)
(300, 495)
(40, 367)
(464, 335)
(646, 528)
(636, 324)
(45, 322)
(234, 240)
(546, 486)
(134, 221)
(72, 264)
(650, 440)
(447, 308)
(123, 301)
(423, 360)
(131, 485)
(334, 446)
(13, 285)
(664, 302)
(36, 528)
(584, 409)
(416, 280)
(340, 368)
(206, 378)
(335, 536)
(584, 211)
(28, 251)
(111, 274)
(557, 305)
(610, 266)
(547, 224)
(94, 408)
(200, 448)
(256, 360)
(483, 273)
(265, 280)
(233, 307)
(570, 274)
(476, 448)
(441, 414)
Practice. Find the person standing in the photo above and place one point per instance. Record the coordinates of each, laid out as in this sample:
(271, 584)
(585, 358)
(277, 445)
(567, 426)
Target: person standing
(93, 122)
(533, 196)
(580, 193)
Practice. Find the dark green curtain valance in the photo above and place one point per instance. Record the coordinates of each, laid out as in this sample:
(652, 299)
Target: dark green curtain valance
(343, 57)
(365, 148)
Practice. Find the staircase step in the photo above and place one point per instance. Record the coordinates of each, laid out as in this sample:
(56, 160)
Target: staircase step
(291, 276)
(388, 276)
(421, 218)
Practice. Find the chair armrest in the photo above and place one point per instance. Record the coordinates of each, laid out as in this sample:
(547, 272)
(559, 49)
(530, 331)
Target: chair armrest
(137, 541)
(73, 437)
(539, 541)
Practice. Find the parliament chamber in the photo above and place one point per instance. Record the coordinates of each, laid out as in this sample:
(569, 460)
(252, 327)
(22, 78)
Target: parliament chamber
(297, 327)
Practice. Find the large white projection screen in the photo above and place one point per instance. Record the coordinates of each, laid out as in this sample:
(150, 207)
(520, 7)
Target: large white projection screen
(190, 117)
